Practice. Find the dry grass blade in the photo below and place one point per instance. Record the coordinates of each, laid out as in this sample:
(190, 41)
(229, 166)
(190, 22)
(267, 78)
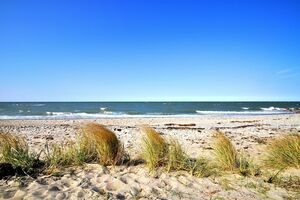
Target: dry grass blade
(85, 150)
(94, 143)
(59, 156)
(154, 148)
(15, 151)
(109, 149)
(176, 156)
(225, 152)
(201, 167)
(229, 159)
(158, 152)
(284, 152)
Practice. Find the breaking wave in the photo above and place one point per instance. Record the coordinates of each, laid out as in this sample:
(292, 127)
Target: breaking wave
(267, 112)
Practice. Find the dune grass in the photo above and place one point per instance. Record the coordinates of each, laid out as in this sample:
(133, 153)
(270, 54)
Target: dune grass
(84, 150)
(110, 150)
(225, 153)
(176, 157)
(59, 156)
(94, 144)
(169, 155)
(97, 144)
(283, 152)
(200, 167)
(15, 151)
(72, 153)
(228, 159)
(154, 148)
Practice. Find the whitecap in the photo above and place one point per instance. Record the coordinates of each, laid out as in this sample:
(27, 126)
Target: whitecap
(273, 108)
(267, 112)
(65, 115)
(38, 104)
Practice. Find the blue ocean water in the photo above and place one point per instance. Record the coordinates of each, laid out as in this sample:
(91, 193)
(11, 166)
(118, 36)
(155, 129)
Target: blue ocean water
(64, 110)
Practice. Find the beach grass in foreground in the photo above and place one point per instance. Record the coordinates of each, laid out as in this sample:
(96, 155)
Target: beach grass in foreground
(14, 151)
(154, 148)
(110, 150)
(168, 154)
(284, 152)
(97, 144)
(229, 159)
(94, 144)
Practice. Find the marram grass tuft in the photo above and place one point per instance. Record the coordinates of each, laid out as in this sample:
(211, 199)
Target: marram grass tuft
(169, 155)
(94, 144)
(110, 150)
(228, 159)
(283, 152)
(59, 156)
(225, 153)
(154, 148)
(15, 151)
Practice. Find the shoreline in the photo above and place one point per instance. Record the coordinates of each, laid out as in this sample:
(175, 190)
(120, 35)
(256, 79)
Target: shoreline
(91, 116)
(127, 116)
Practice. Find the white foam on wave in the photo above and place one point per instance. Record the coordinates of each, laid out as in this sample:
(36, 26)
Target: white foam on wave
(103, 108)
(77, 115)
(273, 108)
(58, 113)
(241, 112)
(65, 115)
(245, 108)
(38, 104)
(110, 114)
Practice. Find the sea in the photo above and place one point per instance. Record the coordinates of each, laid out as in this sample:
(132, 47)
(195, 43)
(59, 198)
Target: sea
(80, 110)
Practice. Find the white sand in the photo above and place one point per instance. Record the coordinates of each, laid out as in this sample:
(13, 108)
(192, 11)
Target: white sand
(97, 182)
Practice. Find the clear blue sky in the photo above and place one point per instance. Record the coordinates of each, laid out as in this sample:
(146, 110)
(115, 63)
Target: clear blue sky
(149, 50)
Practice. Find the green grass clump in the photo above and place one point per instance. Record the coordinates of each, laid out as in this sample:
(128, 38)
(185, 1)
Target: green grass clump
(154, 148)
(59, 156)
(225, 152)
(168, 154)
(283, 152)
(94, 143)
(200, 167)
(178, 160)
(228, 159)
(15, 151)
(84, 150)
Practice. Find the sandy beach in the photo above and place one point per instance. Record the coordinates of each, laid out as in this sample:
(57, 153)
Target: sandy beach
(250, 134)
(162, 100)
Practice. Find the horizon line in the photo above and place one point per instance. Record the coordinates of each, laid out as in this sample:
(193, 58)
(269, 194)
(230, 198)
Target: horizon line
(152, 101)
